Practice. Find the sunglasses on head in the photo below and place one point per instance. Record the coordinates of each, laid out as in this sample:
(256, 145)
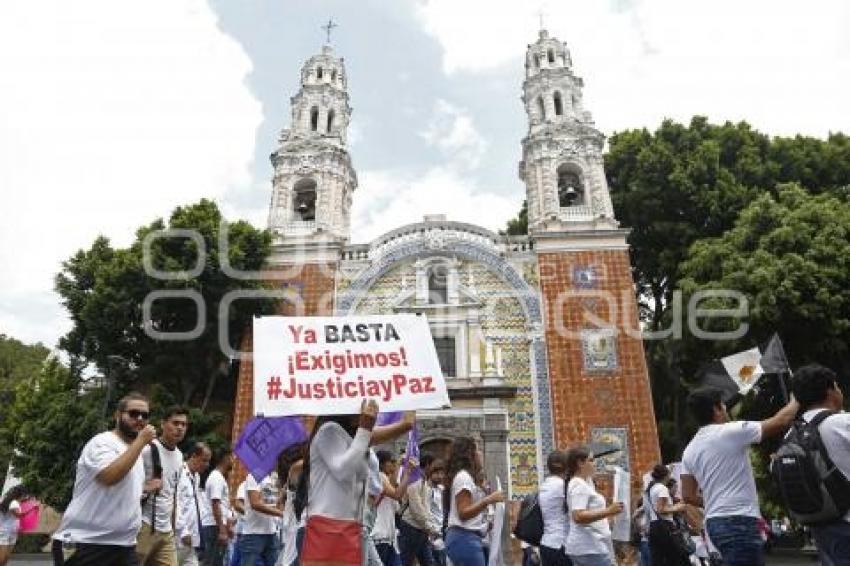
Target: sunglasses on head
(137, 414)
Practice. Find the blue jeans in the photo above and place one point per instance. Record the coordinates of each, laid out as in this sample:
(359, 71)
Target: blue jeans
(214, 551)
(591, 560)
(738, 540)
(254, 548)
(645, 555)
(463, 547)
(413, 544)
(833, 541)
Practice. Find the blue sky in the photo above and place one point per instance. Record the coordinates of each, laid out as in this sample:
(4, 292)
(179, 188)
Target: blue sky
(113, 112)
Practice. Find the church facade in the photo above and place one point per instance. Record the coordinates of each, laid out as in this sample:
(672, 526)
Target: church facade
(536, 335)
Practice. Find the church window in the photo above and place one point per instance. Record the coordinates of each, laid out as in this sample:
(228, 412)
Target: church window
(446, 354)
(333, 76)
(304, 203)
(559, 105)
(570, 189)
(438, 285)
(537, 60)
(541, 108)
(330, 121)
(314, 119)
(319, 73)
(551, 56)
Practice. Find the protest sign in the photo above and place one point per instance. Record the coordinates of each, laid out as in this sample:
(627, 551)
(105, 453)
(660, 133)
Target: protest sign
(328, 365)
(621, 524)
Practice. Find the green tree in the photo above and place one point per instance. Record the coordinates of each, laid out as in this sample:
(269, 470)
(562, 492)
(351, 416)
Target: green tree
(518, 226)
(789, 254)
(19, 362)
(48, 424)
(104, 290)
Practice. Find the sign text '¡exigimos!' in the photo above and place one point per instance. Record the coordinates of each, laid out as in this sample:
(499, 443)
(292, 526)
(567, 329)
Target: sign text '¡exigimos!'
(341, 363)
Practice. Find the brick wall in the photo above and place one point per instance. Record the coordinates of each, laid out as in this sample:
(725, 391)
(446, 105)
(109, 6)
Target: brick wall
(582, 399)
(313, 288)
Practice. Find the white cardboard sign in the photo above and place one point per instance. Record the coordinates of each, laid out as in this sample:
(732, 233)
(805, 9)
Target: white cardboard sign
(328, 365)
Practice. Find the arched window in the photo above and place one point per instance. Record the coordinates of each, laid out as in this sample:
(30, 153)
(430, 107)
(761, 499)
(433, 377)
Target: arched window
(559, 105)
(333, 76)
(330, 121)
(570, 188)
(541, 108)
(438, 285)
(314, 118)
(550, 55)
(319, 73)
(536, 61)
(304, 201)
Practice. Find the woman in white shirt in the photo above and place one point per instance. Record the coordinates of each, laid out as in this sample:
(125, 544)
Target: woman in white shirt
(334, 473)
(10, 514)
(553, 507)
(465, 504)
(589, 539)
(666, 545)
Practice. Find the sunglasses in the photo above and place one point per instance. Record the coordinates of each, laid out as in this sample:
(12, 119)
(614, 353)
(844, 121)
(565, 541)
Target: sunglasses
(137, 414)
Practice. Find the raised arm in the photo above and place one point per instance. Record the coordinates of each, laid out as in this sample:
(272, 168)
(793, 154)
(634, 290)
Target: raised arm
(781, 421)
(340, 459)
(121, 466)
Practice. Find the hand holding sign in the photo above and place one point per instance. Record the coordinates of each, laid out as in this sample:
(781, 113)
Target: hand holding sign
(368, 414)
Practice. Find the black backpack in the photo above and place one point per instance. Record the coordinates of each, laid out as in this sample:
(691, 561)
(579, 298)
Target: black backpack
(529, 524)
(812, 488)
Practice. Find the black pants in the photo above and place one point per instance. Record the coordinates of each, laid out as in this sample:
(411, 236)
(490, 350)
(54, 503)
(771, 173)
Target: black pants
(94, 555)
(414, 546)
(554, 557)
(666, 545)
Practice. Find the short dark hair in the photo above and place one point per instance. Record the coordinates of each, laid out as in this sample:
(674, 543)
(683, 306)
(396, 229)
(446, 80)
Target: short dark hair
(384, 456)
(811, 384)
(197, 449)
(659, 472)
(556, 462)
(425, 460)
(175, 410)
(702, 403)
(131, 396)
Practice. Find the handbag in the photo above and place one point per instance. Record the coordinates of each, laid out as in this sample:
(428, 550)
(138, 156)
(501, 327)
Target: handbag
(334, 542)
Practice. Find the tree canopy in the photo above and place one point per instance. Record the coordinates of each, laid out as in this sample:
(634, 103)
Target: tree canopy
(104, 290)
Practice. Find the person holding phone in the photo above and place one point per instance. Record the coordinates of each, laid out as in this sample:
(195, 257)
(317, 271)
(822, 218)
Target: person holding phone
(589, 540)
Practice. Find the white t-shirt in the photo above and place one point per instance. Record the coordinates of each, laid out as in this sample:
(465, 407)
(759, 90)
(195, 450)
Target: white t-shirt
(217, 489)
(257, 523)
(100, 514)
(384, 528)
(591, 538)
(835, 434)
(463, 482)
(551, 501)
(188, 508)
(657, 492)
(8, 521)
(718, 458)
(338, 468)
(172, 465)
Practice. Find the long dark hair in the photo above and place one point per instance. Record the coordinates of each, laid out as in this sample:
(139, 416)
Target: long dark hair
(17, 492)
(461, 457)
(576, 456)
(348, 423)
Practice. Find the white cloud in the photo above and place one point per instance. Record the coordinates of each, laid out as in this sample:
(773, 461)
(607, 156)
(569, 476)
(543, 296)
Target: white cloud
(111, 113)
(782, 65)
(388, 199)
(453, 132)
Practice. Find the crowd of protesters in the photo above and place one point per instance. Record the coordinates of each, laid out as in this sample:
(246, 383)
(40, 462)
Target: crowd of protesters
(138, 499)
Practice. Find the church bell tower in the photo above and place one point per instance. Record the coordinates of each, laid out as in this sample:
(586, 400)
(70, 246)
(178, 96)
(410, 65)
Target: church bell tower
(600, 390)
(313, 176)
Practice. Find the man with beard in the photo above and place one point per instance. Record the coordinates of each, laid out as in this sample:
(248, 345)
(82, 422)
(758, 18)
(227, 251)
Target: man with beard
(100, 525)
(155, 545)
